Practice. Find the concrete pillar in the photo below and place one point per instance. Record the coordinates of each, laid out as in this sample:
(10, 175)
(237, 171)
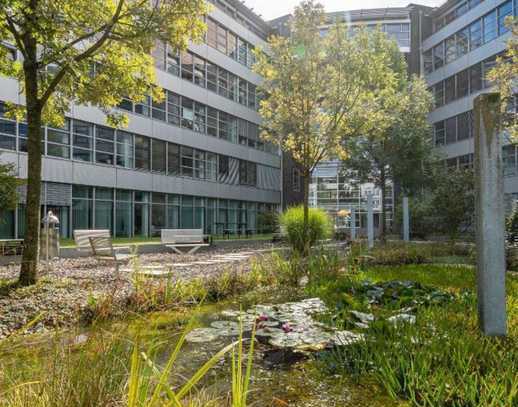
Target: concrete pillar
(490, 216)
(406, 220)
(370, 220)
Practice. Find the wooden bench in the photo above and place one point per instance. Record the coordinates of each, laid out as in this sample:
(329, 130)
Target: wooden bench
(11, 247)
(103, 250)
(82, 238)
(177, 239)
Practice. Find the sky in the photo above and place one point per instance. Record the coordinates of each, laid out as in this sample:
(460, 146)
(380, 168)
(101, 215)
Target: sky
(270, 9)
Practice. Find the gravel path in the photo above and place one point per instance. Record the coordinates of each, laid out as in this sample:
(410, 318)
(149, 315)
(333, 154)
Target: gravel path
(66, 288)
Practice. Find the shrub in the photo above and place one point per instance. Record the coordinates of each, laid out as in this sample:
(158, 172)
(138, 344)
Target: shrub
(319, 226)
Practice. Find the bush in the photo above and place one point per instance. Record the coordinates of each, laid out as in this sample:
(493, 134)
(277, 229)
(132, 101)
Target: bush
(293, 221)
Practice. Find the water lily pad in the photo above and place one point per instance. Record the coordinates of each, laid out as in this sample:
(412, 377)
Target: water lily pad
(201, 335)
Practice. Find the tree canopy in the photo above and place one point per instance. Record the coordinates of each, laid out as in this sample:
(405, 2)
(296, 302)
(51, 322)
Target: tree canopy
(83, 52)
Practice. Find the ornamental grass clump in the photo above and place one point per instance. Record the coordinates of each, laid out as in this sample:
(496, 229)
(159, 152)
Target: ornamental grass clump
(319, 227)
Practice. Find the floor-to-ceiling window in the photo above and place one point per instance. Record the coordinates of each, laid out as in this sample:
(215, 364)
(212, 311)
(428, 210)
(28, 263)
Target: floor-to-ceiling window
(123, 213)
(6, 224)
(199, 213)
(141, 213)
(158, 213)
(173, 212)
(82, 207)
(187, 218)
(103, 208)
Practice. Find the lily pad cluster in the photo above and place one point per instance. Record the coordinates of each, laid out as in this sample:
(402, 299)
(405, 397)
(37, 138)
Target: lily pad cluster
(284, 326)
(402, 293)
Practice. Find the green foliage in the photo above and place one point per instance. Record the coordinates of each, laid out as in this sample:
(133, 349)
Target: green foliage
(100, 51)
(8, 187)
(511, 226)
(442, 359)
(266, 221)
(319, 226)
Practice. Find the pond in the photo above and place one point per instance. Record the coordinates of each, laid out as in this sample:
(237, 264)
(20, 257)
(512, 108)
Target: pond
(285, 368)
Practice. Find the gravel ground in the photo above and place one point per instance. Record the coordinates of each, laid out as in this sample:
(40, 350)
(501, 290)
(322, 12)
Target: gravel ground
(64, 290)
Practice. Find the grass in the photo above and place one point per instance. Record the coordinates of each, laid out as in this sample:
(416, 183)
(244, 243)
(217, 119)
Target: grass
(442, 360)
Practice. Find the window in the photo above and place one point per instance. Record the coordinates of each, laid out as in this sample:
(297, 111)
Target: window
(144, 106)
(427, 61)
(199, 164)
(142, 153)
(438, 56)
(232, 86)
(173, 108)
(232, 128)
(251, 96)
(173, 159)
(247, 173)
(242, 131)
(490, 29)
(173, 62)
(58, 141)
(451, 130)
(158, 54)
(475, 78)
(211, 166)
(158, 156)
(187, 163)
(159, 110)
(83, 140)
(439, 94)
(212, 33)
(243, 51)
(462, 40)
(7, 131)
(450, 50)
(243, 97)
(187, 113)
(199, 71)
(212, 122)
(487, 65)
(103, 208)
(504, 11)
(232, 45)
(212, 77)
(223, 82)
(475, 35)
(223, 168)
(104, 145)
(187, 66)
(199, 118)
(124, 149)
(222, 39)
(463, 83)
(510, 161)
(464, 126)
(449, 89)
(223, 126)
(439, 133)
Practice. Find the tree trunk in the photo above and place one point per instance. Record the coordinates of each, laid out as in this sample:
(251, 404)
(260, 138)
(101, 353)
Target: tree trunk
(29, 267)
(305, 229)
(383, 215)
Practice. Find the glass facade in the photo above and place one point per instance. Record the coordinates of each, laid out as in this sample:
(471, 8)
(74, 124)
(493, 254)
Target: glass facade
(128, 213)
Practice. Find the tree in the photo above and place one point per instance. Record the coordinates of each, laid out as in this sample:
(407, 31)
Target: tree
(84, 52)
(504, 75)
(401, 150)
(320, 89)
(8, 188)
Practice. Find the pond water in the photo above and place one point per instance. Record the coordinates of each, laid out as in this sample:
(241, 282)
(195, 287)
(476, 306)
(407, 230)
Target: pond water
(282, 376)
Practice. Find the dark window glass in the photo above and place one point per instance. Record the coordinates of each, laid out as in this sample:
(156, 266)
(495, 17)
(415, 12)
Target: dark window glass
(427, 61)
(223, 125)
(199, 117)
(450, 50)
(173, 108)
(475, 78)
(438, 56)
(222, 82)
(158, 157)
(187, 66)
(104, 145)
(187, 113)
(199, 71)
(124, 149)
(451, 130)
(173, 159)
(463, 83)
(504, 11)
(439, 94)
(475, 35)
(142, 152)
(212, 122)
(187, 161)
(159, 110)
(490, 28)
(449, 89)
(223, 167)
(464, 126)
(439, 133)
(462, 40)
(173, 62)
(212, 77)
